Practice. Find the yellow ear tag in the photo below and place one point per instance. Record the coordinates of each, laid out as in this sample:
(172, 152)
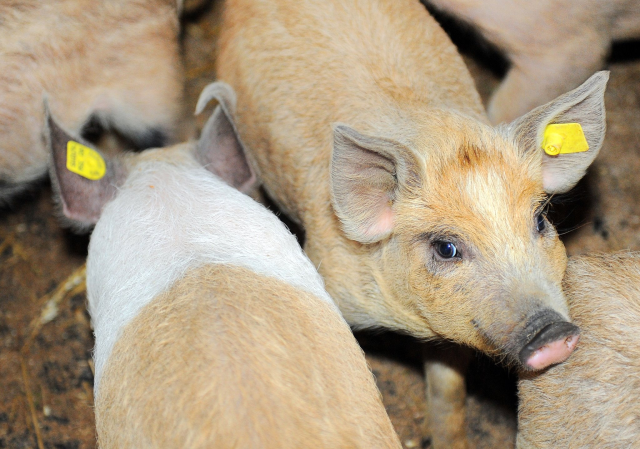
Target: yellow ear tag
(563, 138)
(84, 161)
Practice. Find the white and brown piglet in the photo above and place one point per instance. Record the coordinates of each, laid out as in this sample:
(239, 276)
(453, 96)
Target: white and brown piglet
(366, 128)
(592, 401)
(552, 45)
(110, 65)
(212, 328)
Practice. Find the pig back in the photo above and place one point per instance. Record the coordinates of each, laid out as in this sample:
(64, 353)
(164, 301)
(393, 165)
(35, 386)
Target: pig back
(591, 400)
(230, 358)
(300, 66)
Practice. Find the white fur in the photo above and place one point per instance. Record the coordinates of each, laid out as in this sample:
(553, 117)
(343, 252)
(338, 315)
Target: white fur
(169, 219)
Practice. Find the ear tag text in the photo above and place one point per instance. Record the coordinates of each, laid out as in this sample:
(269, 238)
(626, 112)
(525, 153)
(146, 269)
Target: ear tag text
(564, 138)
(84, 161)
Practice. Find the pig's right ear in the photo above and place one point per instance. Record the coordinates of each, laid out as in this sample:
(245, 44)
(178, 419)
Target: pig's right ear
(83, 179)
(366, 175)
(583, 105)
(219, 149)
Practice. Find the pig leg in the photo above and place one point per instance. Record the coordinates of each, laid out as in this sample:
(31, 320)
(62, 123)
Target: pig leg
(445, 369)
(541, 74)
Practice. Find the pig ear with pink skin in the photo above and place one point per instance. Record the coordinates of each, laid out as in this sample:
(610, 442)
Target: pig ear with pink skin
(583, 105)
(81, 198)
(219, 149)
(366, 175)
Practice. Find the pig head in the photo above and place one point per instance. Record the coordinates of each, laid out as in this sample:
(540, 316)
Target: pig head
(452, 216)
(82, 200)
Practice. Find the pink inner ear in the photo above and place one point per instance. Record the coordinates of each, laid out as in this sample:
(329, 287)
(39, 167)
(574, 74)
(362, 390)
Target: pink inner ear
(83, 217)
(548, 181)
(555, 180)
(384, 220)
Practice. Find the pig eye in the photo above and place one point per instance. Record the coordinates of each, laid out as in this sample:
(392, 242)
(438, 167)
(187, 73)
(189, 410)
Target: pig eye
(541, 223)
(446, 250)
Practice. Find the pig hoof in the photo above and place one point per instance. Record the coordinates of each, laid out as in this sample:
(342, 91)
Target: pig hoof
(551, 345)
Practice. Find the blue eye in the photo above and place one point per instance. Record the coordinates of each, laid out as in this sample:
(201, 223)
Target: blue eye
(541, 223)
(446, 250)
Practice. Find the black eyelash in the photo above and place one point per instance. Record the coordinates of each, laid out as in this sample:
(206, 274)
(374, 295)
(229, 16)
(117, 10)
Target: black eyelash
(543, 208)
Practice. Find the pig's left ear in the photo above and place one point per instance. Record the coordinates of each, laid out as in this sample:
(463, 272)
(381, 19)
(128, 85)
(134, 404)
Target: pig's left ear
(583, 105)
(219, 149)
(367, 173)
(82, 178)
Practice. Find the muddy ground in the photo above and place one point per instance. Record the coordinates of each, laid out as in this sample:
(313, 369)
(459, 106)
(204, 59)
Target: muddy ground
(46, 375)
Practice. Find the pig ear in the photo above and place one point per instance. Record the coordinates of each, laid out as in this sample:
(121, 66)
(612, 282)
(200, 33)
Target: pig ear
(583, 105)
(366, 175)
(82, 198)
(219, 148)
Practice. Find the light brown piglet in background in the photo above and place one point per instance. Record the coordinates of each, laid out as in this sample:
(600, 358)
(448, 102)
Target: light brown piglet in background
(552, 45)
(593, 399)
(213, 329)
(366, 128)
(104, 64)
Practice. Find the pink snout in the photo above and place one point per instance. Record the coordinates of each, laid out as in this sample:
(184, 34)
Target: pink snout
(553, 344)
(552, 353)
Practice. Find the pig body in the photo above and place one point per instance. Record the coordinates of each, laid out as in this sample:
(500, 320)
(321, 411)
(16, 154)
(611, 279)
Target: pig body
(364, 125)
(212, 328)
(592, 400)
(552, 45)
(114, 64)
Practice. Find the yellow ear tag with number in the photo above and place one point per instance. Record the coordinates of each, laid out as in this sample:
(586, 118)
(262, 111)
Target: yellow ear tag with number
(563, 138)
(84, 161)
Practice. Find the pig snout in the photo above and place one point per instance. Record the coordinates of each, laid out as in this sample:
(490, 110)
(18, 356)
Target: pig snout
(549, 339)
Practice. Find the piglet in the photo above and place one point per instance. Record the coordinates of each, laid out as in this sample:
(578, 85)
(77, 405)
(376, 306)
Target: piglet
(593, 399)
(106, 66)
(367, 130)
(212, 328)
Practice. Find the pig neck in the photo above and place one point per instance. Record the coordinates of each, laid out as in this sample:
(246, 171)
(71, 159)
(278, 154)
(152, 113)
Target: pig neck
(168, 219)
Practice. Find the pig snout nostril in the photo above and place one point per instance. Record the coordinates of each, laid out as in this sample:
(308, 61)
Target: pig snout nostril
(553, 344)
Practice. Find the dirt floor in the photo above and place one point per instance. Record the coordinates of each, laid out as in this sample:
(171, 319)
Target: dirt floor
(46, 375)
